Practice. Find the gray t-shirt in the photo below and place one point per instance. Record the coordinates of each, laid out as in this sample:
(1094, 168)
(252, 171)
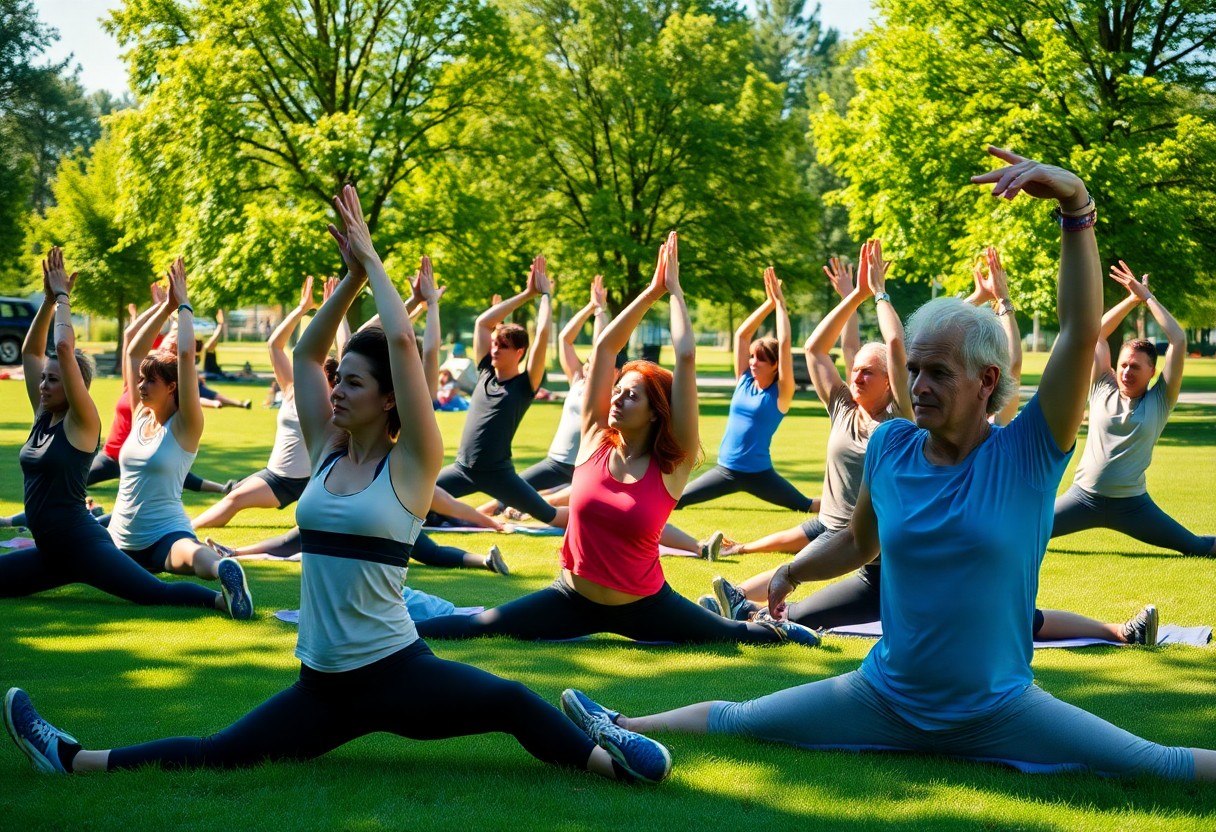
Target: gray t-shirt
(847, 441)
(569, 433)
(1122, 435)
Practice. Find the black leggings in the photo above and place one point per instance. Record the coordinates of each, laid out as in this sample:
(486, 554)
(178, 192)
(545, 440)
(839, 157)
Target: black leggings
(503, 484)
(85, 554)
(548, 473)
(767, 485)
(558, 612)
(105, 468)
(425, 550)
(1138, 517)
(410, 693)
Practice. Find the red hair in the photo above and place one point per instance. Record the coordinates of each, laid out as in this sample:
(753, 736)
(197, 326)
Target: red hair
(663, 444)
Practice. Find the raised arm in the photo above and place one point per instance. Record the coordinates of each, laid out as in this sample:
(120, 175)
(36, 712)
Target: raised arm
(280, 362)
(997, 286)
(483, 330)
(684, 406)
(747, 329)
(1065, 384)
(33, 348)
(1175, 354)
(892, 330)
(140, 344)
(819, 363)
(429, 293)
(417, 456)
(215, 336)
(343, 335)
(136, 323)
(597, 396)
(572, 365)
(785, 351)
(1111, 322)
(82, 424)
(188, 425)
(539, 283)
(308, 358)
(841, 275)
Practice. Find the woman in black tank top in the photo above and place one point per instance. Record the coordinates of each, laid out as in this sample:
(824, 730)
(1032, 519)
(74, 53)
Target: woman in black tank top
(70, 547)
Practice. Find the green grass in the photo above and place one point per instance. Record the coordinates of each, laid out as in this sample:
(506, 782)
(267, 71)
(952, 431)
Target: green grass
(115, 674)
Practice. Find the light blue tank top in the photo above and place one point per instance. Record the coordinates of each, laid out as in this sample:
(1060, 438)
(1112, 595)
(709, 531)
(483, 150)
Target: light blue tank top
(355, 549)
(754, 418)
(149, 504)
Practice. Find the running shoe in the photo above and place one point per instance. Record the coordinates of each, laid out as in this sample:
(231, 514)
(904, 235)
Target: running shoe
(1142, 628)
(710, 603)
(36, 737)
(235, 589)
(219, 548)
(788, 630)
(640, 757)
(711, 546)
(228, 486)
(732, 601)
(495, 563)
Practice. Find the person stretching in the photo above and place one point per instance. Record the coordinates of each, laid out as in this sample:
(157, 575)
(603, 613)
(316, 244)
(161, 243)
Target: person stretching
(1126, 418)
(764, 391)
(376, 450)
(149, 522)
(69, 545)
(640, 440)
(500, 399)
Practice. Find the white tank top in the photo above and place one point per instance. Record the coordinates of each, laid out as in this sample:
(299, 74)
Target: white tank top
(355, 549)
(289, 457)
(149, 503)
(569, 435)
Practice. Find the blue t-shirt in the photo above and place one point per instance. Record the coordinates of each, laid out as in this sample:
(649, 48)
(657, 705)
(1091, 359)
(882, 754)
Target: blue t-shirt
(961, 550)
(754, 418)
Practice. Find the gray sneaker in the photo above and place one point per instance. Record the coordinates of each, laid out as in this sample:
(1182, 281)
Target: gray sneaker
(732, 602)
(495, 563)
(711, 546)
(710, 603)
(788, 630)
(1142, 627)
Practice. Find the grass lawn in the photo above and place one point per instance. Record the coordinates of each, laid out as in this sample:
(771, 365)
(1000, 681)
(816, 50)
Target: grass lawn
(112, 674)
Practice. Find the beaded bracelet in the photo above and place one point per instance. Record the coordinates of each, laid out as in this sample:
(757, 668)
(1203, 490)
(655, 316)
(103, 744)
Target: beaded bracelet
(1080, 223)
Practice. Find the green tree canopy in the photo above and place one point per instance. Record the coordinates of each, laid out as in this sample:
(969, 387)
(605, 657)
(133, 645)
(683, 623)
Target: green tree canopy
(1121, 94)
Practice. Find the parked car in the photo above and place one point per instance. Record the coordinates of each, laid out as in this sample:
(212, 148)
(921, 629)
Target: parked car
(16, 315)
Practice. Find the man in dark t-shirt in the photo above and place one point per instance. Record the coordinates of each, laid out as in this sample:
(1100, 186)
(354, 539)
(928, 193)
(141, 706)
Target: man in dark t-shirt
(504, 390)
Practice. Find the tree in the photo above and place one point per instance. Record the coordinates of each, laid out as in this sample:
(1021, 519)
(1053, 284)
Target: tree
(1122, 94)
(85, 220)
(254, 115)
(630, 118)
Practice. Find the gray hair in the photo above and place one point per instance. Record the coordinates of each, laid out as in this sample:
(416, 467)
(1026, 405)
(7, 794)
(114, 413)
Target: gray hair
(879, 349)
(981, 341)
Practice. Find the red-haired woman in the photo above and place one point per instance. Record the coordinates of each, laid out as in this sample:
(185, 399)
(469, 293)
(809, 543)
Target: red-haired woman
(640, 441)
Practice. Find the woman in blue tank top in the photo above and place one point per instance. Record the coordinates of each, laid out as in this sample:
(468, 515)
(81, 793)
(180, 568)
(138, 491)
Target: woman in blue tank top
(70, 546)
(764, 371)
(376, 451)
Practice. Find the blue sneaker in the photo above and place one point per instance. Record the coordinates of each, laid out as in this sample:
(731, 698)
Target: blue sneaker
(732, 601)
(640, 757)
(788, 630)
(235, 589)
(35, 736)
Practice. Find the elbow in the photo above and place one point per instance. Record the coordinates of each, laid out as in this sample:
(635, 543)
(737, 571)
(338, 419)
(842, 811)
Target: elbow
(685, 353)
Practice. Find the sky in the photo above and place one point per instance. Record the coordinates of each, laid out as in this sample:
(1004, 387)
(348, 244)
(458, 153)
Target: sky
(81, 35)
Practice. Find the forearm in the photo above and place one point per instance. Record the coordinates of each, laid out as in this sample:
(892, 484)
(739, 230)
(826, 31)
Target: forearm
(319, 335)
(1173, 332)
(1079, 303)
(145, 337)
(575, 325)
(394, 319)
(752, 322)
(599, 321)
(840, 556)
(1115, 315)
(616, 334)
(830, 327)
(430, 348)
(682, 340)
(34, 345)
(498, 313)
(282, 333)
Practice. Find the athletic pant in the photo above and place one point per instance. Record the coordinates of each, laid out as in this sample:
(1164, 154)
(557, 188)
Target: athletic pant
(1033, 732)
(1137, 517)
(558, 612)
(503, 484)
(767, 485)
(85, 554)
(425, 550)
(548, 473)
(104, 468)
(410, 693)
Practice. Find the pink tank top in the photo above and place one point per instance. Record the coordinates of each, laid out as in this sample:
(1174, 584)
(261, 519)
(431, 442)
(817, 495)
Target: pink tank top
(614, 529)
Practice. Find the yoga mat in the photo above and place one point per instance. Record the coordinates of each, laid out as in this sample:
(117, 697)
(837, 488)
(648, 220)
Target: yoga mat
(17, 543)
(508, 528)
(293, 616)
(1166, 634)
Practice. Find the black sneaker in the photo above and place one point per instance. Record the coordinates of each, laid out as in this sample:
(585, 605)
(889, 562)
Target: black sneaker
(235, 589)
(640, 757)
(1142, 628)
(788, 630)
(732, 601)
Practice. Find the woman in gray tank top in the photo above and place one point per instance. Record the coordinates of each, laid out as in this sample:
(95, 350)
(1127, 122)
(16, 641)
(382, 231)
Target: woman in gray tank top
(376, 451)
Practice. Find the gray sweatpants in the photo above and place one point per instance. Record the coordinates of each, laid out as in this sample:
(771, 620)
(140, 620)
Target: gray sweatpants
(1034, 732)
(1138, 517)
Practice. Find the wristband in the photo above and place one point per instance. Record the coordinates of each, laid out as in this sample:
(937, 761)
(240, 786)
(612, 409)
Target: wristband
(599, 310)
(1004, 307)
(1078, 220)
(62, 294)
(187, 307)
(880, 297)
